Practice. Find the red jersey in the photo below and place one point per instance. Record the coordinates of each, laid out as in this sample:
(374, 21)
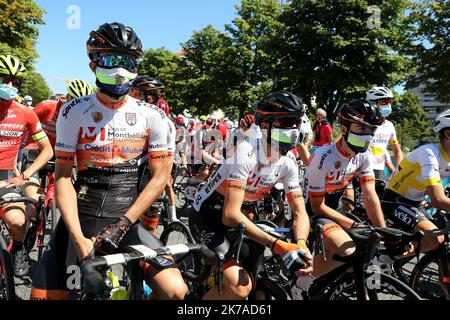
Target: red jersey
(47, 112)
(15, 119)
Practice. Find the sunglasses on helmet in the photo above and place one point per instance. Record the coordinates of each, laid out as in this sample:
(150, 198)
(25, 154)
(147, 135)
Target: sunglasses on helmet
(287, 122)
(114, 61)
(384, 101)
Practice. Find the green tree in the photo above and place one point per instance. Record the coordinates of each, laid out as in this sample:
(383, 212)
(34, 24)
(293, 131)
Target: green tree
(335, 50)
(432, 53)
(18, 28)
(249, 64)
(35, 86)
(202, 78)
(409, 119)
(164, 65)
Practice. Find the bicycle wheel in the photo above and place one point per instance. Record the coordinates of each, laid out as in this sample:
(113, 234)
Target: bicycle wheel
(269, 289)
(403, 269)
(425, 278)
(380, 287)
(7, 291)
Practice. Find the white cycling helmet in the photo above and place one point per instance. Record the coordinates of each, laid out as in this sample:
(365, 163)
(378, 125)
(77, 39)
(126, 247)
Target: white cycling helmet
(442, 121)
(306, 133)
(377, 93)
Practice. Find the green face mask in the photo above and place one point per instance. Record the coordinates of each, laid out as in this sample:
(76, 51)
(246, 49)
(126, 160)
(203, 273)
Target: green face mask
(359, 143)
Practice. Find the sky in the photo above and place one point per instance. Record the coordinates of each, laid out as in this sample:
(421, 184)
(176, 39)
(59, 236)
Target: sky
(62, 40)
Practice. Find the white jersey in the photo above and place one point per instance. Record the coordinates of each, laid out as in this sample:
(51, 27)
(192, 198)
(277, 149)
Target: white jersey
(250, 172)
(331, 170)
(171, 135)
(385, 135)
(108, 136)
(426, 166)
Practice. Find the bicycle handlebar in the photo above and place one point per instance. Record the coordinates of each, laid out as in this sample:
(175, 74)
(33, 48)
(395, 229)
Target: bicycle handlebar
(94, 281)
(17, 200)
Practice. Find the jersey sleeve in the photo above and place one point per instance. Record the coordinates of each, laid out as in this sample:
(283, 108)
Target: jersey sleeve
(290, 180)
(238, 170)
(393, 136)
(429, 167)
(158, 137)
(67, 134)
(365, 171)
(316, 176)
(34, 125)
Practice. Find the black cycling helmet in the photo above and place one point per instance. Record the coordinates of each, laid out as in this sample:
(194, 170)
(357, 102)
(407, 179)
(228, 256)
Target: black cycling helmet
(277, 106)
(146, 83)
(360, 111)
(114, 37)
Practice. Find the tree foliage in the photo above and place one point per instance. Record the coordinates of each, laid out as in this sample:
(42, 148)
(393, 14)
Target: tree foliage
(18, 28)
(331, 51)
(409, 120)
(432, 52)
(35, 86)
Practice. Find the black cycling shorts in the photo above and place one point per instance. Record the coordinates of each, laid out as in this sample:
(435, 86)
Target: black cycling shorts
(403, 213)
(60, 254)
(207, 228)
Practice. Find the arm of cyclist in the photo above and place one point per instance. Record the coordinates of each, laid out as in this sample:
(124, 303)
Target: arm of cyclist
(232, 216)
(398, 154)
(319, 207)
(67, 135)
(372, 202)
(153, 189)
(303, 151)
(45, 155)
(301, 227)
(209, 159)
(66, 198)
(438, 198)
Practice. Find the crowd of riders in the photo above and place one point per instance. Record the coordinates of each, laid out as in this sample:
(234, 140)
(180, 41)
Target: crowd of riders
(123, 142)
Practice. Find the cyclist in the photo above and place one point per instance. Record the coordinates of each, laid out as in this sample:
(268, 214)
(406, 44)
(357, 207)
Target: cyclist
(28, 101)
(255, 167)
(15, 120)
(48, 110)
(147, 89)
(111, 135)
(385, 134)
(330, 170)
(180, 139)
(420, 174)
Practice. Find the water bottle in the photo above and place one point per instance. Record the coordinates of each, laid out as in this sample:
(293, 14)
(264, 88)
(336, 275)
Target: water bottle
(116, 293)
(147, 291)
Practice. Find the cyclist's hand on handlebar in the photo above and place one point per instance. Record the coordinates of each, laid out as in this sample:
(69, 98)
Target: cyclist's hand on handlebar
(109, 238)
(309, 259)
(17, 181)
(85, 250)
(283, 248)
